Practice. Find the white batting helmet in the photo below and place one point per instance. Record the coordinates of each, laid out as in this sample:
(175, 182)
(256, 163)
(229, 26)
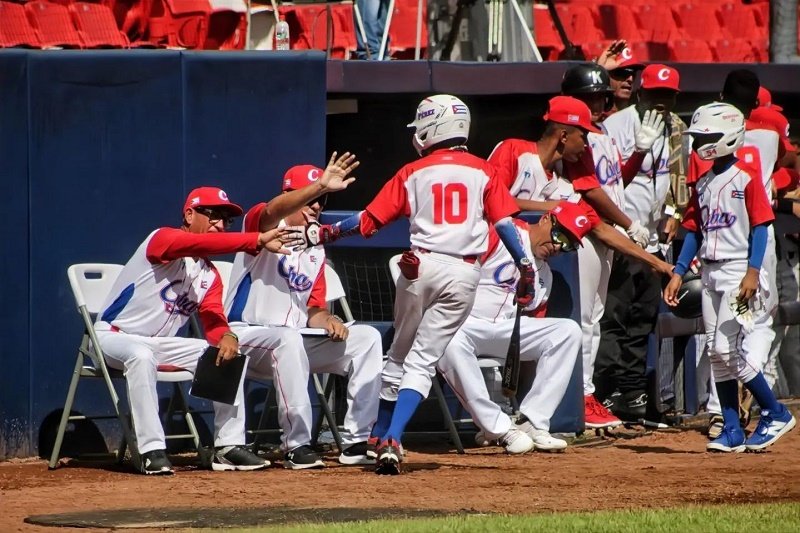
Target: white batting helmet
(440, 118)
(718, 117)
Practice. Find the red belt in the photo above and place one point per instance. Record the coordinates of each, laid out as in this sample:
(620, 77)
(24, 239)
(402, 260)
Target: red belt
(115, 329)
(471, 259)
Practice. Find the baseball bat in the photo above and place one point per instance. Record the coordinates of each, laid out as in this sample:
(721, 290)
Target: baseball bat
(511, 368)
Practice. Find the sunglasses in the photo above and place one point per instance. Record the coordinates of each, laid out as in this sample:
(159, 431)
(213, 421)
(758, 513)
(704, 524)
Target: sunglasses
(322, 201)
(215, 216)
(621, 74)
(561, 239)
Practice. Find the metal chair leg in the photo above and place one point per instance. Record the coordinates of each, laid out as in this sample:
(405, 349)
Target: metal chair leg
(62, 425)
(327, 410)
(262, 421)
(448, 419)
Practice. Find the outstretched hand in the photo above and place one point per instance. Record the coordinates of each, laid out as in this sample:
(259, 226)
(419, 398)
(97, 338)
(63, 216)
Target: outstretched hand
(671, 290)
(280, 240)
(610, 58)
(334, 178)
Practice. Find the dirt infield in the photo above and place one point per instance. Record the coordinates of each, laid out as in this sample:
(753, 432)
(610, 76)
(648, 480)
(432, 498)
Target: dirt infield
(653, 470)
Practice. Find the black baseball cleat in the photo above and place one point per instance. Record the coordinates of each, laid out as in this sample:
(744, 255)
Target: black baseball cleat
(301, 458)
(357, 454)
(156, 463)
(390, 456)
(237, 458)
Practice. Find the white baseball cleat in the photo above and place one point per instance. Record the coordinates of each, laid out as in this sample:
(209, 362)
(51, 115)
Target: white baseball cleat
(516, 441)
(542, 439)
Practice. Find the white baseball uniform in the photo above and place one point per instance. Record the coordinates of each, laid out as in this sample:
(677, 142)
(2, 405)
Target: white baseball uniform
(646, 193)
(161, 285)
(760, 153)
(553, 342)
(527, 179)
(267, 304)
(448, 196)
(725, 207)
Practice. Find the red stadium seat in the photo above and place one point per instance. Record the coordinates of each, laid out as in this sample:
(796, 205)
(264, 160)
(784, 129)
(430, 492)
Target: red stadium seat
(584, 26)
(227, 25)
(96, 26)
(619, 22)
(15, 29)
(656, 23)
(53, 24)
(734, 51)
(545, 34)
(403, 30)
(698, 21)
(179, 23)
(132, 16)
(741, 21)
(690, 51)
(308, 28)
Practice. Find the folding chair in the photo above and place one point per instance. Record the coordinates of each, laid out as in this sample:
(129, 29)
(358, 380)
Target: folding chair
(436, 388)
(335, 292)
(91, 283)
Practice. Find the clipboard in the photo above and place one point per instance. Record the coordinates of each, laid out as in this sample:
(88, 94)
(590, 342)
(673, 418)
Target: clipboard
(217, 383)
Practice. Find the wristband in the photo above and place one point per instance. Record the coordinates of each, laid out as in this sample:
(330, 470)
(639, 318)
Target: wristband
(231, 334)
(784, 205)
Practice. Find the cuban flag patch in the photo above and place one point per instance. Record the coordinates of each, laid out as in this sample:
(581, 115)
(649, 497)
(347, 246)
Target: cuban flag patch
(737, 194)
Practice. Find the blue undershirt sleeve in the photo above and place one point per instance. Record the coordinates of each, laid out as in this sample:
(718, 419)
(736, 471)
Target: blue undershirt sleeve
(758, 246)
(690, 246)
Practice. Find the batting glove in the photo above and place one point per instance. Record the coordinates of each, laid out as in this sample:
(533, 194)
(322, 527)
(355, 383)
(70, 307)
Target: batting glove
(316, 234)
(526, 285)
(638, 234)
(652, 128)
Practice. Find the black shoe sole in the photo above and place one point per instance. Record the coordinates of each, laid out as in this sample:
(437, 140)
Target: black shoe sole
(387, 468)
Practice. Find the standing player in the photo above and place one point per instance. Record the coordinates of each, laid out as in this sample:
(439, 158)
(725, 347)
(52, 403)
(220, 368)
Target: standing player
(727, 221)
(591, 84)
(634, 293)
(622, 67)
(539, 174)
(448, 196)
(271, 298)
(553, 342)
(761, 150)
(166, 280)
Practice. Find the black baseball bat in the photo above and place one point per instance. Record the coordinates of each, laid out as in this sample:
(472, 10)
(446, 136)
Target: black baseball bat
(511, 368)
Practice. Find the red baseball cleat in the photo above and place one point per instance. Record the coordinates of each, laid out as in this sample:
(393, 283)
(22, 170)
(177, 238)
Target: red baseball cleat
(596, 415)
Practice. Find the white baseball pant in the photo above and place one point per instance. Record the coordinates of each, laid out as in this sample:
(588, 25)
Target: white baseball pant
(594, 267)
(730, 349)
(283, 355)
(138, 357)
(428, 311)
(554, 343)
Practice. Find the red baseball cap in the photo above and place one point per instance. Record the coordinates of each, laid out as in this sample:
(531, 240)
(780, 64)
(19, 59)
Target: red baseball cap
(765, 99)
(573, 219)
(628, 61)
(571, 112)
(785, 179)
(659, 76)
(300, 176)
(211, 197)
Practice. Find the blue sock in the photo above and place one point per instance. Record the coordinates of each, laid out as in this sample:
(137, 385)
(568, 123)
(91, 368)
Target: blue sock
(407, 402)
(763, 394)
(385, 410)
(728, 392)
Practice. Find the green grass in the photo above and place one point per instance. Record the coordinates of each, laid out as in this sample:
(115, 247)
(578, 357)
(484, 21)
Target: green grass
(773, 518)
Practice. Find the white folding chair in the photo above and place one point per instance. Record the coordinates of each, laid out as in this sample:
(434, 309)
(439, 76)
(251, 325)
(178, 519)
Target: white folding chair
(90, 284)
(224, 268)
(436, 388)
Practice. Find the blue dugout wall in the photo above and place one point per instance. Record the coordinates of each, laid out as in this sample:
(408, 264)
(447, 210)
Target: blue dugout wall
(97, 150)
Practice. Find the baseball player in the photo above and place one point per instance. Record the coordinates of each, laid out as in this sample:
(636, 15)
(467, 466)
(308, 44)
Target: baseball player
(166, 280)
(591, 84)
(727, 221)
(762, 148)
(541, 173)
(448, 195)
(272, 297)
(622, 67)
(553, 342)
(634, 292)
